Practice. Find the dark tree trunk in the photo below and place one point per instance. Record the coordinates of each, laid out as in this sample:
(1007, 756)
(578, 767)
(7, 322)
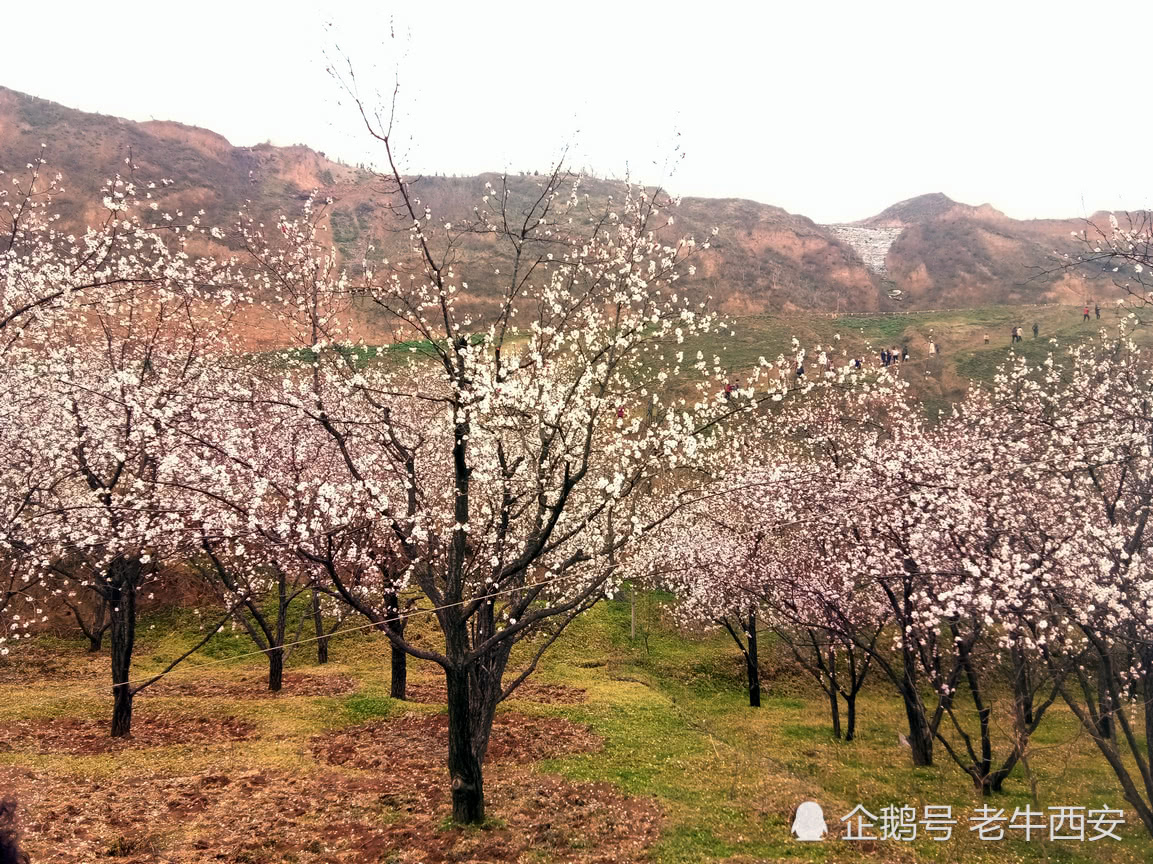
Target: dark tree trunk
(395, 625)
(1145, 684)
(322, 650)
(1022, 684)
(920, 730)
(399, 673)
(318, 626)
(123, 578)
(752, 663)
(835, 712)
(474, 689)
(996, 780)
(276, 669)
(851, 710)
(121, 711)
(276, 646)
(1104, 702)
(99, 626)
(834, 706)
(464, 767)
(920, 734)
(983, 767)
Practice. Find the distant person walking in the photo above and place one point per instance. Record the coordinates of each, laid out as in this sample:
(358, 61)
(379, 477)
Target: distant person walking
(1035, 329)
(1086, 315)
(904, 352)
(1097, 309)
(986, 338)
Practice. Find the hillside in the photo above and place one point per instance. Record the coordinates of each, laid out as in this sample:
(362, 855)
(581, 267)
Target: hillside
(925, 253)
(951, 255)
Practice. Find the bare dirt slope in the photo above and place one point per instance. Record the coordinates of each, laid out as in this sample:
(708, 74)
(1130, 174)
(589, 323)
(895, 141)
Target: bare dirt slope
(764, 259)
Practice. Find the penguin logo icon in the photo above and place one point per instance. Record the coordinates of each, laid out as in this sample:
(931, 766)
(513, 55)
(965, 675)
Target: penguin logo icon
(809, 822)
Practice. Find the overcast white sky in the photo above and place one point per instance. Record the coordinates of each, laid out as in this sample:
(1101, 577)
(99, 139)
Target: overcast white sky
(833, 110)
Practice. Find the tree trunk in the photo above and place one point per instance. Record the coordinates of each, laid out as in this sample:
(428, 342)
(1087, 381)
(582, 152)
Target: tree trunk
(463, 765)
(318, 626)
(395, 625)
(984, 715)
(997, 779)
(632, 612)
(121, 710)
(851, 724)
(399, 673)
(752, 663)
(1022, 683)
(123, 577)
(1104, 702)
(1146, 690)
(276, 669)
(276, 652)
(834, 706)
(920, 731)
(96, 634)
(920, 736)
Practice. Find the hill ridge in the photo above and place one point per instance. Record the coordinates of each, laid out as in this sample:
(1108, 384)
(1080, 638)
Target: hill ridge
(934, 251)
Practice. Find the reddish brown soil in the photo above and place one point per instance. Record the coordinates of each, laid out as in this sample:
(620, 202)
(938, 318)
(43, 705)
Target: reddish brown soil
(393, 811)
(434, 693)
(424, 738)
(33, 664)
(89, 735)
(253, 686)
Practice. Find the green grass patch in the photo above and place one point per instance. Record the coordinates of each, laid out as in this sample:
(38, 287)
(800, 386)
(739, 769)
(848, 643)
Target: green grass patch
(362, 707)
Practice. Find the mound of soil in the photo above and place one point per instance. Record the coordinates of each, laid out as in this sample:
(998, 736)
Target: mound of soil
(542, 818)
(33, 664)
(89, 735)
(252, 686)
(434, 693)
(322, 818)
(392, 809)
(420, 741)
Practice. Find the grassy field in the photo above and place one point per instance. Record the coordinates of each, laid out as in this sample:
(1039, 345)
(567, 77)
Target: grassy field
(936, 381)
(621, 750)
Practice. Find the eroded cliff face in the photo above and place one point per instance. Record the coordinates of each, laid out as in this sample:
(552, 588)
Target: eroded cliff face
(929, 252)
(871, 244)
(936, 253)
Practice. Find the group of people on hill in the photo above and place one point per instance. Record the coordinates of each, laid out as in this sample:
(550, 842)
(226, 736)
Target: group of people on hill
(891, 356)
(1015, 334)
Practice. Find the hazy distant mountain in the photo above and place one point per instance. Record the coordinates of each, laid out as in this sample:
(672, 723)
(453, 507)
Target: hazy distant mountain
(935, 252)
